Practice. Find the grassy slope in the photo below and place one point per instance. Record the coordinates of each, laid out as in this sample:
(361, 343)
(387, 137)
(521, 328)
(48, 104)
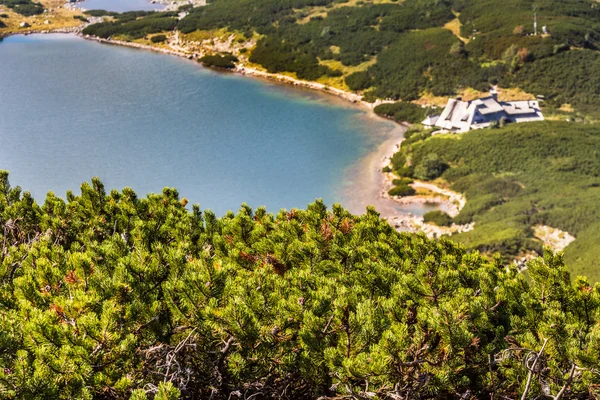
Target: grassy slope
(58, 16)
(523, 175)
(417, 50)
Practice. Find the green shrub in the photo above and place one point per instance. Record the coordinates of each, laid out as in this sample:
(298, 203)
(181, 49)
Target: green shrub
(402, 181)
(438, 218)
(403, 112)
(416, 136)
(358, 80)
(100, 13)
(158, 38)
(398, 160)
(430, 167)
(217, 61)
(407, 171)
(402, 190)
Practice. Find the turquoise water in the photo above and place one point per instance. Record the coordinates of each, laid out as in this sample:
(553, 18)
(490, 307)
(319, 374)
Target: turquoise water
(120, 5)
(72, 109)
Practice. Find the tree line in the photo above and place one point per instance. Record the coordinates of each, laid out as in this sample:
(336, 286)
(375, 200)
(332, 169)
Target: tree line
(407, 47)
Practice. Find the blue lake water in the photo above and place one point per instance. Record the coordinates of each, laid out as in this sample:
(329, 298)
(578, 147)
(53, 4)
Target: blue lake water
(71, 109)
(120, 5)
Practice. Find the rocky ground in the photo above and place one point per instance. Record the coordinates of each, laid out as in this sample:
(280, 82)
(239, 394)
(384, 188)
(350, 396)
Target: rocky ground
(553, 237)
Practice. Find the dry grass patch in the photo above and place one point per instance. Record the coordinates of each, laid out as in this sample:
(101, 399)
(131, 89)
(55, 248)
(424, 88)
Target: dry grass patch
(339, 81)
(347, 70)
(566, 108)
(57, 15)
(513, 94)
(148, 42)
(468, 94)
(429, 100)
(313, 12)
(454, 27)
(219, 34)
(335, 82)
(198, 36)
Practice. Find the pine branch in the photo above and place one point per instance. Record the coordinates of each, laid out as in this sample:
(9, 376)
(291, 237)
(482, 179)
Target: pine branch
(532, 369)
(567, 383)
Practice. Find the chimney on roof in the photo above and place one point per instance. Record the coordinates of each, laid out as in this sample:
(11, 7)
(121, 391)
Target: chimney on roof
(494, 94)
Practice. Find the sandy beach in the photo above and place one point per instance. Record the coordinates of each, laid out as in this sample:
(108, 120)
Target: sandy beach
(371, 186)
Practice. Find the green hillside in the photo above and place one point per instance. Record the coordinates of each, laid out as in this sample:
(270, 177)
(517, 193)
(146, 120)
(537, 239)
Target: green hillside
(406, 49)
(519, 176)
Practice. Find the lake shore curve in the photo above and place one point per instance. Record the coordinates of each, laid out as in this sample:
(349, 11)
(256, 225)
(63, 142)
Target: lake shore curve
(404, 214)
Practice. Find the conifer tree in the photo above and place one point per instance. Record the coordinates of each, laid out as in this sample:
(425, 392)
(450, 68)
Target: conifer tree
(113, 296)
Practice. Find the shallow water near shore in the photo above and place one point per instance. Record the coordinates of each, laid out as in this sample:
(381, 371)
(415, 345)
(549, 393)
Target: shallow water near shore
(73, 109)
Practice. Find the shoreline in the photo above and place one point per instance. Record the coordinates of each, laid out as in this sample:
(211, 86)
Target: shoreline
(444, 199)
(241, 70)
(401, 220)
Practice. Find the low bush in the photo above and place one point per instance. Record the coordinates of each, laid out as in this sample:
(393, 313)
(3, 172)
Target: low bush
(227, 61)
(358, 81)
(313, 303)
(407, 171)
(402, 181)
(430, 167)
(158, 38)
(402, 190)
(438, 218)
(100, 13)
(398, 161)
(412, 136)
(403, 112)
